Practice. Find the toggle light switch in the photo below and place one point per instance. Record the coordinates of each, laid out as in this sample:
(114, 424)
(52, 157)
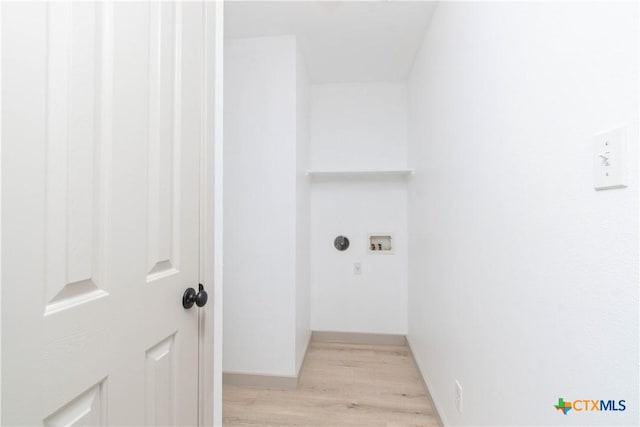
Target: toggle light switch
(610, 159)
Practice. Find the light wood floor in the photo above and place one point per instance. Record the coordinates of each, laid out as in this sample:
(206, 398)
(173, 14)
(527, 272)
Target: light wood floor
(340, 385)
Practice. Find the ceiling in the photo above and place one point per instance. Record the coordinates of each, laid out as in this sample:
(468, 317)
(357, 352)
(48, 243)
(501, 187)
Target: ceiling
(341, 41)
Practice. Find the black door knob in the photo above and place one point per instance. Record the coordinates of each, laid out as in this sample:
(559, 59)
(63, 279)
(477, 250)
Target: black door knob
(202, 297)
(190, 297)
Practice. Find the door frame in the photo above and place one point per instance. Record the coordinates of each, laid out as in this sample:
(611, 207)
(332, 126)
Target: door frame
(211, 217)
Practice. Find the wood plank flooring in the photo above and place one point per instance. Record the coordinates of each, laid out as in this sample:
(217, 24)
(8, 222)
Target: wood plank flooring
(340, 385)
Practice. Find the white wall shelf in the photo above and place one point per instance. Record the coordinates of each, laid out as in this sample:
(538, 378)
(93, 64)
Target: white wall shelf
(360, 173)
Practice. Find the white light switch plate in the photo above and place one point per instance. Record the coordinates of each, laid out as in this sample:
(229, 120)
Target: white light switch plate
(357, 268)
(610, 159)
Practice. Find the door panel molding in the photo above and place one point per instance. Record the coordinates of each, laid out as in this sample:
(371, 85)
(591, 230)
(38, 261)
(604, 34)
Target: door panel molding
(87, 409)
(165, 112)
(160, 379)
(77, 169)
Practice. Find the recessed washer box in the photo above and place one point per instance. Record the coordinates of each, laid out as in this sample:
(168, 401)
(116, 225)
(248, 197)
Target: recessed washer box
(380, 243)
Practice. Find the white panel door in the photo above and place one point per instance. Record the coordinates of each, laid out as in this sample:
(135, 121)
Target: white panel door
(102, 120)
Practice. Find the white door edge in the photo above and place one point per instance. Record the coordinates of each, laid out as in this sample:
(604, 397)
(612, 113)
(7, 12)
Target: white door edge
(210, 389)
(218, 209)
(0, 203)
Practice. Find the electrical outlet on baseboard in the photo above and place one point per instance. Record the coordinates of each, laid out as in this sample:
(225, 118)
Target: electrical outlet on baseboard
(458, 396)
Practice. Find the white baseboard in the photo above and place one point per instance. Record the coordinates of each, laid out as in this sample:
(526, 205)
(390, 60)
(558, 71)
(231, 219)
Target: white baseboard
(358, 338)
(306, 352)
(277, 382)
(434, 404)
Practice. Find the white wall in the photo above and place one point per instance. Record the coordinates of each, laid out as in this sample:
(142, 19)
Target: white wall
(260, 206)
(303, 100)
(523, 279)
(376, 300)
(358, 127)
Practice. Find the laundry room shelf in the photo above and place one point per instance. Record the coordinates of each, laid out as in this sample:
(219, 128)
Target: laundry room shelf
(360, 173)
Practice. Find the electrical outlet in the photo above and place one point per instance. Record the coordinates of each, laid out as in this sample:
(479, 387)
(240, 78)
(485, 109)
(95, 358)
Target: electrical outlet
(458, 397)
(357, 268)
(610, 159)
